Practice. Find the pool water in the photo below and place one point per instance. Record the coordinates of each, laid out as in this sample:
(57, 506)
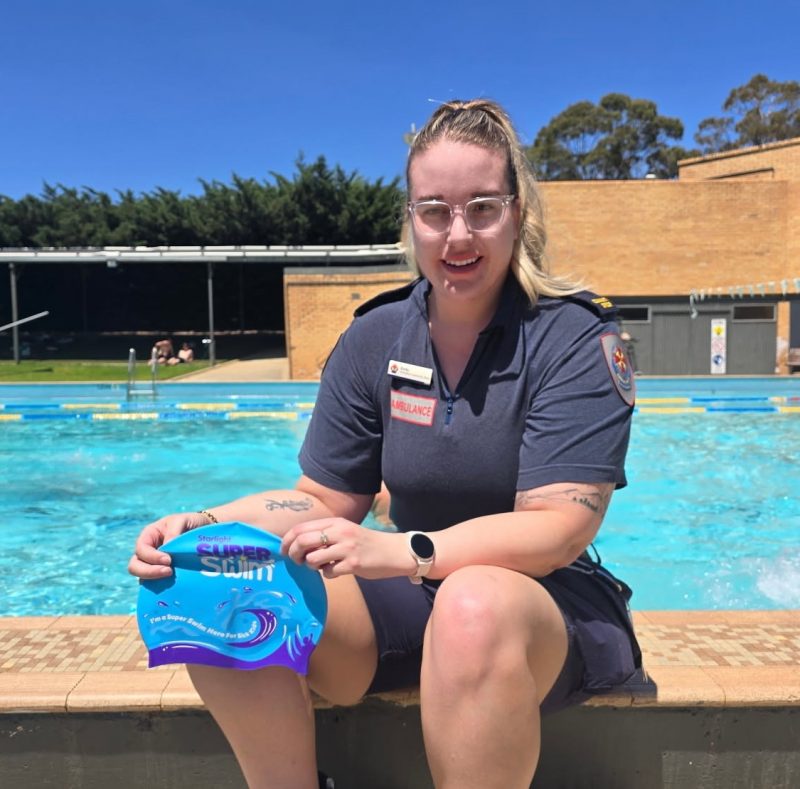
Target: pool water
(76, 494)
(711, 516)
(710, 519)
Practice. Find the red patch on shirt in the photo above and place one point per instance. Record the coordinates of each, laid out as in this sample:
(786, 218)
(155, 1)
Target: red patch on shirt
(619, 366)
(412, 408)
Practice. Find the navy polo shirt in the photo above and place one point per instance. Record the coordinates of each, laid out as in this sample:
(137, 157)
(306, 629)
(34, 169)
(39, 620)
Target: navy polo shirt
(540, 401)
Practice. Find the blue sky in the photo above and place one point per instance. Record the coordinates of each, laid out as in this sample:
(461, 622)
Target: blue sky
(134, 95)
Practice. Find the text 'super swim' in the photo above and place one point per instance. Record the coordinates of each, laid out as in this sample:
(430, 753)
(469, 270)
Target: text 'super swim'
(232, 601)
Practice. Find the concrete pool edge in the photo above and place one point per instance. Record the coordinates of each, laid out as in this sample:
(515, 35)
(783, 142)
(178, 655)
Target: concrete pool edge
(723, 698)
(709, 658)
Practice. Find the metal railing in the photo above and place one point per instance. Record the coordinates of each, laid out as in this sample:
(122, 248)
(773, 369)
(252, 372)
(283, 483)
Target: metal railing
(135, 389)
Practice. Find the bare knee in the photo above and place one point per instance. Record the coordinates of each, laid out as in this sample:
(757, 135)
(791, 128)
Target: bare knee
(489, 621)
(471, 634)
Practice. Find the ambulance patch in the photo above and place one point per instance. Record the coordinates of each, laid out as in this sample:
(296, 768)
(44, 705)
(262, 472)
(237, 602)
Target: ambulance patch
(412, 408)
(619, 366)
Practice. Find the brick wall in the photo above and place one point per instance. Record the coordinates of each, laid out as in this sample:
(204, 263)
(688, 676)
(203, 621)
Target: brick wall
(318, 307)
(662, 238)
(792, 254)
(793, 228)
(777, 160)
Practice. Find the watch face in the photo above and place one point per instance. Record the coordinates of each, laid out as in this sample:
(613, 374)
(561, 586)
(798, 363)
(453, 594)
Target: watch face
(422, 545)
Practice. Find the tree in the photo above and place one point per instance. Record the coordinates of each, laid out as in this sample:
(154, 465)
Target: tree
(328, 206)
(618, 138)
(20, 220)
(318, 205)
(759, 112)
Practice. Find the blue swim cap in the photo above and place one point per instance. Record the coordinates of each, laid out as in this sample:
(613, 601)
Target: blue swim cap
(232, 601)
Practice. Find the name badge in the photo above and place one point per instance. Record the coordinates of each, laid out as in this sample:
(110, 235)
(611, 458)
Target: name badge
(411, 372)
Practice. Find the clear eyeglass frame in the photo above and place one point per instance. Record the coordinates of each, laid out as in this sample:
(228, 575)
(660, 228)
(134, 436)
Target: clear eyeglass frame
(459, 208)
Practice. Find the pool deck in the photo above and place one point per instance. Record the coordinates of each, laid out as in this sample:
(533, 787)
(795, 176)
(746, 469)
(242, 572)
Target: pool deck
(720, 708)
(79, 664)
(241, 371)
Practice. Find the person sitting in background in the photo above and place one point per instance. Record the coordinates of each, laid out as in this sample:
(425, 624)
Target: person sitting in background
(163, 351)
(185, 354)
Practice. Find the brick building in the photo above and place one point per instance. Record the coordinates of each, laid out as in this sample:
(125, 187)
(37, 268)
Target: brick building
(726, 232)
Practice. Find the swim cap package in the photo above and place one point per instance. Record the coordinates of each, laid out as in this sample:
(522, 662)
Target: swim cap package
(232, 601)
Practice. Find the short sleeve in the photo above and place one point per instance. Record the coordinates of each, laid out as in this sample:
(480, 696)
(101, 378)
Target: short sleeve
(342, 447)
(578, 421)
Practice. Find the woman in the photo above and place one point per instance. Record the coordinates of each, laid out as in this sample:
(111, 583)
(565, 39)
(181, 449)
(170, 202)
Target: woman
(493, 400)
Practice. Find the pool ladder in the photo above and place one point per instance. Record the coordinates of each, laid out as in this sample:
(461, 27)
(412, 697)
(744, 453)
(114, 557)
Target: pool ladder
(134, 389)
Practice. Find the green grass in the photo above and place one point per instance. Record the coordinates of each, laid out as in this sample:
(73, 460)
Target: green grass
(51, 371)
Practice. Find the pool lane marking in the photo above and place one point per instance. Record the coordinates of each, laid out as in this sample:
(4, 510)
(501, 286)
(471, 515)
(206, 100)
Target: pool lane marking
(228, 411)
(656, 400)
(642, 401)
(137, 415)
(742, 409)
(670, 410)
(714, 399)
(85, 406)
(207, 406)
(114, 406)
(287, 415)
(713, 410)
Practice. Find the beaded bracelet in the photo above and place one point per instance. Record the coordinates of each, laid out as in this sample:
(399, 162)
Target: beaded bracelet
(208, 515)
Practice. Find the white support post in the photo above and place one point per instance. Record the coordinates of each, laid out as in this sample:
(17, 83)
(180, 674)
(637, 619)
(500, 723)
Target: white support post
(212, 346)
(12, 271)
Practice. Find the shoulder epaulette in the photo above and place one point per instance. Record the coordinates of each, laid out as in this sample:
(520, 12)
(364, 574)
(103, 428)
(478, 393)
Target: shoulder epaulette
(389, 296)
(601, 306)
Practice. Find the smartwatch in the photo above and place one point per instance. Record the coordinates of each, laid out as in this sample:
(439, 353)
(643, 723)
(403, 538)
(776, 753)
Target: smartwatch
(420, 546)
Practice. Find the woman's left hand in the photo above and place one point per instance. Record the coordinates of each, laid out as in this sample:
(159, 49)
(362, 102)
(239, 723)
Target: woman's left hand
(337, 546)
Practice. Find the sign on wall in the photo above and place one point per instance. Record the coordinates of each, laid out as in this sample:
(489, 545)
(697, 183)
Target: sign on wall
(719, 345)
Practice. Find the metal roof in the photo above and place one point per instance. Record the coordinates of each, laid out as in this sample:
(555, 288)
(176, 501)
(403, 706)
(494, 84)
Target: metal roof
(336, 254)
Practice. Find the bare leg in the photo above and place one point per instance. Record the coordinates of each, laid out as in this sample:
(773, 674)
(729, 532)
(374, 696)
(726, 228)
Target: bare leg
(269, 721)
(495, 645)
(267, 714)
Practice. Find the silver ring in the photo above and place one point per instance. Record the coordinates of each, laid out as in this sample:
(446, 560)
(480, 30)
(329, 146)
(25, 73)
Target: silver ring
(323, 538)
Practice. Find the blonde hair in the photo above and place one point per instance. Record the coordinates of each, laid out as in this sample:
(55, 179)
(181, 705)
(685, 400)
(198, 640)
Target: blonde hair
(485, 123)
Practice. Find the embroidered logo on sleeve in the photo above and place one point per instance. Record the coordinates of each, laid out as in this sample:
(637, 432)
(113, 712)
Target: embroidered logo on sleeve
(619, 366)
(412, 408)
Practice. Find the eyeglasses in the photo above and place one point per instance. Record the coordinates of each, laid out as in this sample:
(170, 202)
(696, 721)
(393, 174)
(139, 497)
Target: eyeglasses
(435, 217)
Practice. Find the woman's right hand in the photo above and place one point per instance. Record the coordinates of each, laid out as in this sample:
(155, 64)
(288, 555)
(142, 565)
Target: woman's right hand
(148, 561)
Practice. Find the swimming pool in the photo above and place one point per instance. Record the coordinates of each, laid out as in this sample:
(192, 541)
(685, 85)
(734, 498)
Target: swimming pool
(710, 519)
(176, 400)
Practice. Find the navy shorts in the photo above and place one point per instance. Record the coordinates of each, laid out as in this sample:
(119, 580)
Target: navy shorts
(602, 649)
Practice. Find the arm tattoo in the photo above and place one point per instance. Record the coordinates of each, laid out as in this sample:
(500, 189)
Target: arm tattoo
(589, 497)
(295, 505)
